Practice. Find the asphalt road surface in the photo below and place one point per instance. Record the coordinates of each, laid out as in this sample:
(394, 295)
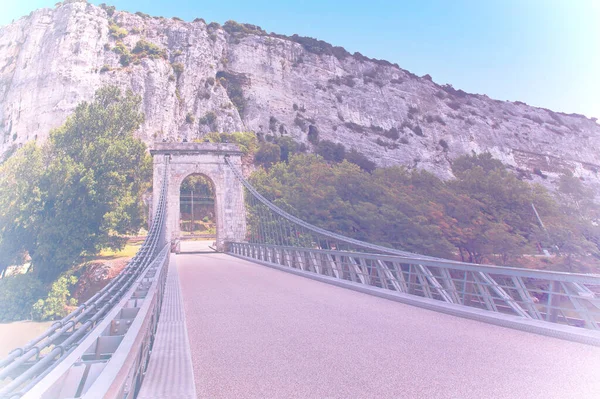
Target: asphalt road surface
(256, 332)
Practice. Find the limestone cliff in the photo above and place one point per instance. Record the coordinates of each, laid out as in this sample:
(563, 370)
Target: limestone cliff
(197, 77)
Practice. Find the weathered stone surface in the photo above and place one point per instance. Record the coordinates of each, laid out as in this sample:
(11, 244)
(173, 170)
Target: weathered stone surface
(54, 58)
(185, 159)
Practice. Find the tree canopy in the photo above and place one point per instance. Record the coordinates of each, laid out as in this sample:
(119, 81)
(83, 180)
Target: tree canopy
(78, 192)
(485, 214)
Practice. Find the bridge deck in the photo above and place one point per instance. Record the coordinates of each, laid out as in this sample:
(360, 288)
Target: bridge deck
(256, 332)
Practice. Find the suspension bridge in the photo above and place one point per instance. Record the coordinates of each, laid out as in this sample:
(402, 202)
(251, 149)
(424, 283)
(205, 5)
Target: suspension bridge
(287, 309)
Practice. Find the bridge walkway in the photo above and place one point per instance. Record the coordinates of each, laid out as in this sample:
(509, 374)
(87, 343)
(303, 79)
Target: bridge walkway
(256, 332)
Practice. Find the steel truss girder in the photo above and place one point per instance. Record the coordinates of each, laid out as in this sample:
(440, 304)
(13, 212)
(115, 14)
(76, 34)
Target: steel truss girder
(511, 291)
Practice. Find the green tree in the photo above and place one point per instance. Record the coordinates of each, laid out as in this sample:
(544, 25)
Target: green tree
(17, 295)
(80, 192)
(55, 305)
(483, 215)
(20, 199)
(268, 154)
(201, 185)
(331, 151)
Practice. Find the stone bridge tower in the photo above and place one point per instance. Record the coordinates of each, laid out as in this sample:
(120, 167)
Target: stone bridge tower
(207, 159)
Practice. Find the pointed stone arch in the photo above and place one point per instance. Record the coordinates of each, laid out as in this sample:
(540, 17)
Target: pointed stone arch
(207, 159)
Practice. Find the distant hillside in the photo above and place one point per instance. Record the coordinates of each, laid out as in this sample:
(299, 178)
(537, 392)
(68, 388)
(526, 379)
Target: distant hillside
(197, 77)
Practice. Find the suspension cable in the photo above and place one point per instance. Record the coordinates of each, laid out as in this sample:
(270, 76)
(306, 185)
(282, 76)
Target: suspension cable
(318, 230)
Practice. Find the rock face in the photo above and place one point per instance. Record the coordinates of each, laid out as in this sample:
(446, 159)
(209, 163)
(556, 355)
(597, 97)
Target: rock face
(197, 77)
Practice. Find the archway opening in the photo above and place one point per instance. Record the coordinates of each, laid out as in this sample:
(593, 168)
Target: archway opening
(197, 213)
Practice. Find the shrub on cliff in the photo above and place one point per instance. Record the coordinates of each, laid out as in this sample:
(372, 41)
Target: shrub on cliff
(116, 32)
(145, 48)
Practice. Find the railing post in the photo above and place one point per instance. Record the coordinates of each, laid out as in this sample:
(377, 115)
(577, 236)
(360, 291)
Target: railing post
(553, 302)
(468, 289)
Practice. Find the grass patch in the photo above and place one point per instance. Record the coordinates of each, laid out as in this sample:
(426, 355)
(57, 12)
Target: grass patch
(128, 251)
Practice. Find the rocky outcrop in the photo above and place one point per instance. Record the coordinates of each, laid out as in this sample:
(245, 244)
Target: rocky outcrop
(197, 77)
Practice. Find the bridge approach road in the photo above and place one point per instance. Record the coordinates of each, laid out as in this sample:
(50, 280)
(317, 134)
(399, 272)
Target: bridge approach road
(256, 332)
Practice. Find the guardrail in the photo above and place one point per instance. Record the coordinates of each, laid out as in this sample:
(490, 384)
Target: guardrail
(555, 297)
(112, 360)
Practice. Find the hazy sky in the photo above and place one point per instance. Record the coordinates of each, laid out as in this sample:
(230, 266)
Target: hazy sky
(542, 52)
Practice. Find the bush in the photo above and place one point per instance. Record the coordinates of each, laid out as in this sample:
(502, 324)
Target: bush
(110, 10)
(268, 154)
(105, 68)
(273, 124)
(144, 48)
(380, 142)
(17, 295)
(455, 105)
(319, 47)
(210, 81)
(233, 85)
(300, 122)
(434, 118)
(444, 145)
(539, 172)
(208, 119)
(452, 91)
(121, 49)
(235, 28)
(313, 134)
(418, 131)
(189, 118)
(287, 146)
(141, 14)
(245, 140)
(115, 31)
(54, 307)
(355, 127)
(331, 151)
(347, 80)
(534, 118)
(392, 134)
(362, 161)
(177, 68)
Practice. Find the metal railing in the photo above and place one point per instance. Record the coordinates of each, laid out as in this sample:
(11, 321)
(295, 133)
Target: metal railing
(556, 297)
(112, 360)
(274, 236)
(25, 367)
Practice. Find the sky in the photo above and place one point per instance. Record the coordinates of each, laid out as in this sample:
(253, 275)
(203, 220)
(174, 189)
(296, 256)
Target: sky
(542, 52)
